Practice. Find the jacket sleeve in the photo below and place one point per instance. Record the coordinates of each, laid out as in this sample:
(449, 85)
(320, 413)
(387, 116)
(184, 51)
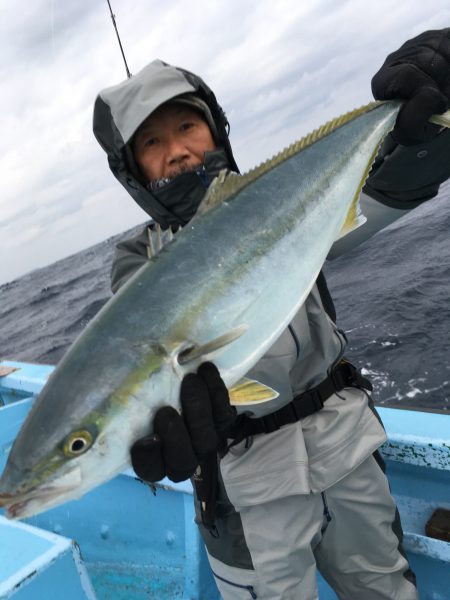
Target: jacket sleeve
(402, 178)
(129, 257)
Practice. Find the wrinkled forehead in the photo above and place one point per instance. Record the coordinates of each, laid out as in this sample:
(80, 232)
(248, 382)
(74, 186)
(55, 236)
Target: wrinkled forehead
(172, 110)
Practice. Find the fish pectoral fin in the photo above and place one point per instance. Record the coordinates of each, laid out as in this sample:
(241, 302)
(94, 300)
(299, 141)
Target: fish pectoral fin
(205, 351)
(250, 391)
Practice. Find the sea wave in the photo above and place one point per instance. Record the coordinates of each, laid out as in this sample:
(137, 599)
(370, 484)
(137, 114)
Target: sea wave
(391, 294)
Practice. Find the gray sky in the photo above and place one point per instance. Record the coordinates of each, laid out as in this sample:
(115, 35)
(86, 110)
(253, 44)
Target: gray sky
(279, 69)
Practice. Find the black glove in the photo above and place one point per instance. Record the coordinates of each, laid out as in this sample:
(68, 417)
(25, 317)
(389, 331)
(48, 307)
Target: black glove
(418, 72)
(180, 443)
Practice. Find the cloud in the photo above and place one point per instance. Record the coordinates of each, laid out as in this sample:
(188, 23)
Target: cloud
(279, 70)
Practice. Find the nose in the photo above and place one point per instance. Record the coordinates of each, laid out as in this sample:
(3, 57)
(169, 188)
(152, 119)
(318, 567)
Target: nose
(176, 151)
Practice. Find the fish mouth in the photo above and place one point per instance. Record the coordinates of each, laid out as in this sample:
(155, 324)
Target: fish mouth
(38, 499)
(30, 503)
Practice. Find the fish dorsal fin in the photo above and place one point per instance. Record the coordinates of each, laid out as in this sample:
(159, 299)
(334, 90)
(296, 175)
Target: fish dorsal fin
(225, 187)
(213, 197)
(353, 220)
(206, 350)
(154, 243)
(355, 217)
(249, 391)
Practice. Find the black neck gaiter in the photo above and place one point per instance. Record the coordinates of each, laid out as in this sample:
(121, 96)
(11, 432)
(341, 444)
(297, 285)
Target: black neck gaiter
(181, 196)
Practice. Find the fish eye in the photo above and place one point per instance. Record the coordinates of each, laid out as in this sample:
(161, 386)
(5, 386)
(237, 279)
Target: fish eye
(77, 442)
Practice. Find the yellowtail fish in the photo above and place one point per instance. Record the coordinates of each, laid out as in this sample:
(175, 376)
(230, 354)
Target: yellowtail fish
(223, 289)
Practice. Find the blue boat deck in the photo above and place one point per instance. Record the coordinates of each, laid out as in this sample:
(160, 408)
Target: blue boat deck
(120, 541)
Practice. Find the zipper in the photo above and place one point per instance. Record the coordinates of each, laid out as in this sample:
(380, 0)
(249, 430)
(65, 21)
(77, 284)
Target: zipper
(326, 512)
(250, 589)
(296, 340)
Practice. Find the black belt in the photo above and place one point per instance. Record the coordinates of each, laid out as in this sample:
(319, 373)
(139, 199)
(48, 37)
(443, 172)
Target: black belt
(342, 376)
(305, 404)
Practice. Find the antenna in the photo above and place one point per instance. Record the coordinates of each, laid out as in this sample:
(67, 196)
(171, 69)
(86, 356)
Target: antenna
(118, 37)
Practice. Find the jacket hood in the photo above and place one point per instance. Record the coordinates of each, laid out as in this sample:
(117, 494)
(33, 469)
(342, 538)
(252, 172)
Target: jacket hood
(119, 111)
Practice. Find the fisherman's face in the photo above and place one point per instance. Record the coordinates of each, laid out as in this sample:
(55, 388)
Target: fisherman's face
(172, 140)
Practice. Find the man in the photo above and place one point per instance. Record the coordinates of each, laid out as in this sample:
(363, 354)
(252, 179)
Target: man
(301, 484)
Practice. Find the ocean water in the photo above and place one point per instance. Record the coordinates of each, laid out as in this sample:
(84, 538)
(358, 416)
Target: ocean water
(391, 294)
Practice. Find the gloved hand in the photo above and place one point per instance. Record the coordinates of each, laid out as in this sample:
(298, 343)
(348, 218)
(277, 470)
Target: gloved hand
(180, 442)
(418, 72)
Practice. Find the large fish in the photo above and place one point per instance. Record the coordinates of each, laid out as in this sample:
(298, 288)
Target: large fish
(223, 289)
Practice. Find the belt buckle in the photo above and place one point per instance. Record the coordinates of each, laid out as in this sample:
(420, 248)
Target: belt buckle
(343, 375)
